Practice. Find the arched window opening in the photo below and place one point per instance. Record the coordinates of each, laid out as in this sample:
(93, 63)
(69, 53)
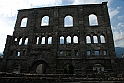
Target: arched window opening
(26, 41)
(93, 20)
(95, 39)
(50, 40)
(68, 21)
(68, 40)
(102, 39)
(61, 40)
(75, 39)
(24, 22)
(45, 21)
(104, 52)
(20, 42)
(43, 40)
(37, 40)
(88, 39)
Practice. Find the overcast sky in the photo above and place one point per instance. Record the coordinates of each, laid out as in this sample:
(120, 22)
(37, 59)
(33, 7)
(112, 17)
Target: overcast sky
(9, 10)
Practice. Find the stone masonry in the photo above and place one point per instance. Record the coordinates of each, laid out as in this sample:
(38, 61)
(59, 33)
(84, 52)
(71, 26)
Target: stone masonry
(81, 48)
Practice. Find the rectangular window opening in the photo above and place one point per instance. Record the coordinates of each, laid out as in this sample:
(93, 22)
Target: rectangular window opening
(96, 52)
(88, 52)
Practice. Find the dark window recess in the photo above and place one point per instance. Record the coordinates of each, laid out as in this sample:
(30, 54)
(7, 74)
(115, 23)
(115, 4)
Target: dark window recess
(61, 53)
(105, 52)
(68, 53)
(11, 53)
(76, 52)
(96, 52)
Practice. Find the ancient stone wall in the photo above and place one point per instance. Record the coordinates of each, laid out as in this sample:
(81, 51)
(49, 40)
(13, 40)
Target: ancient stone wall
(120, 65)
(84, 46)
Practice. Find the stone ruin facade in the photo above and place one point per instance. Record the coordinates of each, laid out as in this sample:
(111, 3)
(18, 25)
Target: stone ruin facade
(84, 47)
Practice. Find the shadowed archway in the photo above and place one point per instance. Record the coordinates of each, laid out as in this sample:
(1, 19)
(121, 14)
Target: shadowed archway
(69, 69)
(39, 67)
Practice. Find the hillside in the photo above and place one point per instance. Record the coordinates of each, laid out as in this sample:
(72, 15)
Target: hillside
(119, 51)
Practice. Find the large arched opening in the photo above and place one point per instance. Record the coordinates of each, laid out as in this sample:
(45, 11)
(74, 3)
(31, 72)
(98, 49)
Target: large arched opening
(39, 67)
(98, 68)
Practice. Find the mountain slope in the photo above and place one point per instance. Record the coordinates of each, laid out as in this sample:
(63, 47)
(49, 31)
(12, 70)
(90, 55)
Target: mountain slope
(119, 51)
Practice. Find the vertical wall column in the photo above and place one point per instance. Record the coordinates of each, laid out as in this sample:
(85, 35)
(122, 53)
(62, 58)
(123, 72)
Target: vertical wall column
(55, 39)
(82, 41)
(46, 39)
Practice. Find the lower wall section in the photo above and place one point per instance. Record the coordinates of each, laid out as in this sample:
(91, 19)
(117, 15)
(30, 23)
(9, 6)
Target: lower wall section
(120, 65)
(61, 78)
